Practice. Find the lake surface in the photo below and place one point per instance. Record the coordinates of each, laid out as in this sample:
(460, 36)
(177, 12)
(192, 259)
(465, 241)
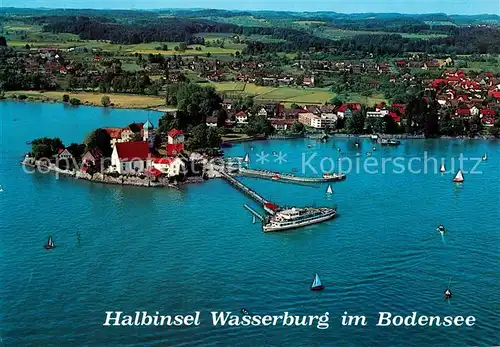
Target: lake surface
(197, 250)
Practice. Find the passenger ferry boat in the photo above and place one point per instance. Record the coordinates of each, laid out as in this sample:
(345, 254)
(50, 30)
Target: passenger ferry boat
(297, 217)
(334, 176)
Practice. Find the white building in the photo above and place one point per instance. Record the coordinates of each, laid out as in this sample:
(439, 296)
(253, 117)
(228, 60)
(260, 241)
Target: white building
(375, 114)
(169, 166)
(241, 117)
(131, 157)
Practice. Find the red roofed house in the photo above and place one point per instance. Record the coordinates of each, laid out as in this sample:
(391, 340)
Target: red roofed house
(496, 95)
(129, 131)
(462, 112)
(399, 107)
(488, 117)
(91, 158)
(131, 157)
(175, 143)
(170, 166)
(241, 117)
(115, 134)
(395, 117)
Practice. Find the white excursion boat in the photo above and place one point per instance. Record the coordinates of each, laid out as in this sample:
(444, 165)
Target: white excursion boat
(297, 217)
(459, 178)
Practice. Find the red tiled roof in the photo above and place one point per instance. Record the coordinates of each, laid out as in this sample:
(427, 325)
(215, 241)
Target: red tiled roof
(271, 206)
(163, 160)
(174, 149)
(463, 111)
(154, 172)
(174, 133)
(488, 112)
(496, 95)
(395, 117)
(133, 150)
(114, 133)
(241, 114)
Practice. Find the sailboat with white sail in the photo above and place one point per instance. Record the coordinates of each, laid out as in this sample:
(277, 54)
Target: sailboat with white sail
(317, 285)
(329, 190)
(246, 159)
(485, 157)
(50, 244)
(459, 177)
(443, 168)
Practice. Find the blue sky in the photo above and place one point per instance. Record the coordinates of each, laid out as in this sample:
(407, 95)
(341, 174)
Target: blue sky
(345, 6)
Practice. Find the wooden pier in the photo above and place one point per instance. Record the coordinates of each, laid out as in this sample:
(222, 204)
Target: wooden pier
(285, 177)
(267, 205)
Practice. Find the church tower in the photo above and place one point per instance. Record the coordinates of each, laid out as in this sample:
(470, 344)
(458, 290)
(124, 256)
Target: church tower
(149, 135)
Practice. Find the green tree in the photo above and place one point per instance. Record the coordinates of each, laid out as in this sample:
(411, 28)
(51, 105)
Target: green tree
(297, 128)
(74, 101)
(258, 125)
(167, 122)
(99, 139)
(65, 98)
(195, 103)
(45, 147)
(356, 123)
(105, 101)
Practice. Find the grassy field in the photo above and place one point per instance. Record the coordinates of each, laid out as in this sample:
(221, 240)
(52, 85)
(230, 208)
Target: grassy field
(338, 34)
(482, 66)
(287, 95)
(119, 100)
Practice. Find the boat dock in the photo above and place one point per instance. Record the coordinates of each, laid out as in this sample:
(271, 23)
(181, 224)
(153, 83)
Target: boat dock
(267, 205)
(285, 177)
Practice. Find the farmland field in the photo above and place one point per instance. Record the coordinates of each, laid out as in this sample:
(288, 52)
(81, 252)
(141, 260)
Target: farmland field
(284, 94)
(119, 100)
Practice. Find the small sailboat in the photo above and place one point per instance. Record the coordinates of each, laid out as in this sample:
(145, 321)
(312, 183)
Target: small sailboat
(459, 178)
(329, 190)
(50, 244)
(443, 168)
(317, 285)
(246, 159)
(485, 157)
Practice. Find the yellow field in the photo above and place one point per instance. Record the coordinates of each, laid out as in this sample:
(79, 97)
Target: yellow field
(86, 98)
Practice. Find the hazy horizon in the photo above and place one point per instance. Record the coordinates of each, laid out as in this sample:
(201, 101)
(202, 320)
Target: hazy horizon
(449, 7)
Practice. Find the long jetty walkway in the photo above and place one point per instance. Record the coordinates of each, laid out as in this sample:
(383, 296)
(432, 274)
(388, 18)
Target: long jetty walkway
(289, 177)
(268, 206)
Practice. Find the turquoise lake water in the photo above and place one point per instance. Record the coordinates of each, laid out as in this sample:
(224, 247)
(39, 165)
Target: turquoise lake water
(197, 250)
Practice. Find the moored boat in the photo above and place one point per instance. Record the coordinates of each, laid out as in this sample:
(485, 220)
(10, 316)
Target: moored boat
(317, 285)
(293, 218)
(442, 169)
(485, 157)
(459, 177)
(334, 176)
